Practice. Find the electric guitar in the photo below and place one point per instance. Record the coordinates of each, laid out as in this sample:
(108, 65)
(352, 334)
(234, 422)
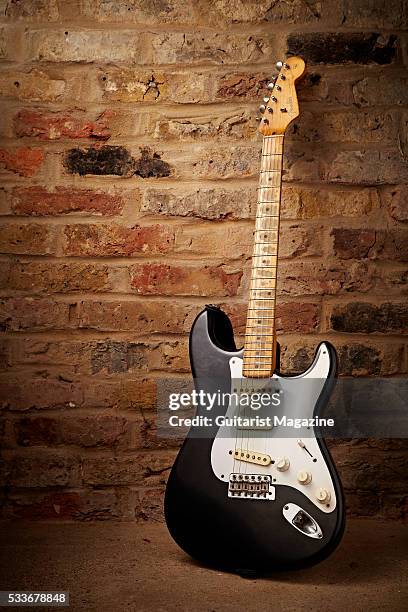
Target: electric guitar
(245, 496)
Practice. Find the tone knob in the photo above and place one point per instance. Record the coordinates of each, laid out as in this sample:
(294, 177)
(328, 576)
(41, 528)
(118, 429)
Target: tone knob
(282, 464)
(323, 495)
(304, 477)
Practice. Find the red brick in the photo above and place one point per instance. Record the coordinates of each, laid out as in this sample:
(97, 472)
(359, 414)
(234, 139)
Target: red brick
(211, 47)
(380, 14)
(34, 85)
(144, 435)
(364, 470)
(396, 200)
(32, 10)
(149, 504)
(374, 244)
(297, 240)
(38, 200)
(86, 431)
(129, 393)
(219, 125)
(164, 279)
(23, 161)
(226, 241)
(149, 469)
(28, 239)
(39, 393)
(35, 314)
(241, 85)
(41, 468)
(203, 202)
(205, 13)
(365, 318)
(39, 276)
(56, 125)
(140, 317)
(80, 356)
(91, 45)
(312, 278)
(350, 243)
(117, 241)
(307, 203)
(171, 356)
(379, 89)
(366, 167)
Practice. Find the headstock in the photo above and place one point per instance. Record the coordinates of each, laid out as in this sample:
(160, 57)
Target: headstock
(280, 107)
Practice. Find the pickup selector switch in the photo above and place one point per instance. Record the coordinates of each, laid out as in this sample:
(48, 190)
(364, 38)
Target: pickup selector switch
(323, 495)
(304, 477)
(282, 464)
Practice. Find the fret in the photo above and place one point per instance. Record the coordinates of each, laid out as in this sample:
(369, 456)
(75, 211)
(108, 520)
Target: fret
(261, 359)
(264, 255)
(265, 335)
(270, 311)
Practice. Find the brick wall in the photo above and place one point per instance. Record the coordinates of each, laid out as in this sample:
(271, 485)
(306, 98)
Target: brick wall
(129, 158)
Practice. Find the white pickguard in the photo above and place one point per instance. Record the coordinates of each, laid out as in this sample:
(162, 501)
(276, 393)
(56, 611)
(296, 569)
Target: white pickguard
(269, 442)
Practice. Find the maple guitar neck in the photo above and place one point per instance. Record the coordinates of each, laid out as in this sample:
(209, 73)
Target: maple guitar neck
(278, 112)
(260, 335)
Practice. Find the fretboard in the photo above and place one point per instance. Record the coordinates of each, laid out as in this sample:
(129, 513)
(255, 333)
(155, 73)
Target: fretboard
(260, 337)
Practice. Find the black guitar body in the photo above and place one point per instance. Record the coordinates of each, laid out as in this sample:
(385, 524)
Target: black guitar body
(241, 535)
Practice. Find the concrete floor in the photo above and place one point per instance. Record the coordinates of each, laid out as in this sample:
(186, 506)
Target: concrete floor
(128, 566)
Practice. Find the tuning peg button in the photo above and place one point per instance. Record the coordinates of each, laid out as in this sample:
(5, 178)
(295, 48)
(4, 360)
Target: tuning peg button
(266, 99)
(262, 108)
(279, 65)
(271, 85)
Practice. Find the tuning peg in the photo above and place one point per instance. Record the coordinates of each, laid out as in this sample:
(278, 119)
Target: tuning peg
(262, 108)
(279, 65)
(266, 99)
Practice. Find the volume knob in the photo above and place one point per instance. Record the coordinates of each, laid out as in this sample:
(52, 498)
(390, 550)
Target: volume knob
(304, 477)
(282, 464)
(323, 495)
